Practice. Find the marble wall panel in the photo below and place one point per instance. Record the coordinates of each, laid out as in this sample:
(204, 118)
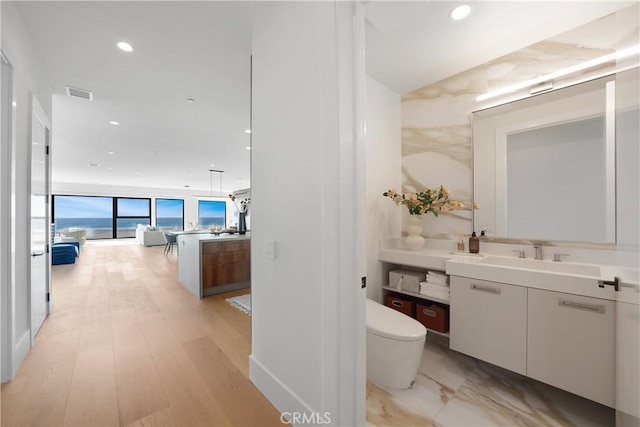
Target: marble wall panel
(436, 119)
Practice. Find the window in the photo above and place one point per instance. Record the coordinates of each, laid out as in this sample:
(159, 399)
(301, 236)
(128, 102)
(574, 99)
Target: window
(170, 214)
(212, 213)
(94, 214)
(129, 213)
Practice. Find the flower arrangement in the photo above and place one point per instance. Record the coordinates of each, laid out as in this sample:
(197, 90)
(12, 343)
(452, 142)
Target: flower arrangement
(244, 203)
(422, 202)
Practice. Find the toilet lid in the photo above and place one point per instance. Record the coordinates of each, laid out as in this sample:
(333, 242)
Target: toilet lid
(389, 323)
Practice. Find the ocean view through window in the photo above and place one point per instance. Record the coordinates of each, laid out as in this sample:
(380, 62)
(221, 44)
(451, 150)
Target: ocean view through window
(92, 213)
(212, 212)
(169, 214)
(101, 217)
(129, 212)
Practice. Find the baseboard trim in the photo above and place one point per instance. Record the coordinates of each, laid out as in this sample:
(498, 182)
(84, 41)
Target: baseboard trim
(20, 350)
(277, 393)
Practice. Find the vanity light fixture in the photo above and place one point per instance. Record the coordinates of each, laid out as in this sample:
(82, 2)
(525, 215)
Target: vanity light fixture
(460, 12)
(113, 122)
(124, 46)
(624, 53)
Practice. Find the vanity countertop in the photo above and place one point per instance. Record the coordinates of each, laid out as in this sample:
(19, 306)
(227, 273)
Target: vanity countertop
(569, 277)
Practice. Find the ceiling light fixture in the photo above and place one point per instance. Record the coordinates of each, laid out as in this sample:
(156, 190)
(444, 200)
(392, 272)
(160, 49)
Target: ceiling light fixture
(111, 153)
(248, 148)
(211, 171)
(113, 122)
(247, 131)
(124, 46)
(460, 12)
(624, 53)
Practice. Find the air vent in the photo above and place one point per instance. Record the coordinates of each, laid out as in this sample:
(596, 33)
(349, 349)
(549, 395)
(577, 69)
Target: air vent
(79, 93)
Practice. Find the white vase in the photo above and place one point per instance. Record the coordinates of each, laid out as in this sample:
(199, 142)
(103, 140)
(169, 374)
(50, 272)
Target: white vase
(414, 241)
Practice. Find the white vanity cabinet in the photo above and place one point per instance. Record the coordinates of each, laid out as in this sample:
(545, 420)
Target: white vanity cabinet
(571, 343)
(489, 322)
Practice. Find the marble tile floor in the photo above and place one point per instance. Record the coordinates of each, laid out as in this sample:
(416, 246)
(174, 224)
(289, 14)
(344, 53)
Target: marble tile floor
(453, 389)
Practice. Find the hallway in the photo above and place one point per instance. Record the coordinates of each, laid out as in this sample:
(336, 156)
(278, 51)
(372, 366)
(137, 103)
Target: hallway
(126, 344)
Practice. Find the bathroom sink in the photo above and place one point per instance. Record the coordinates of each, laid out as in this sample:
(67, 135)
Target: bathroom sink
(548, 266)
(573, 278)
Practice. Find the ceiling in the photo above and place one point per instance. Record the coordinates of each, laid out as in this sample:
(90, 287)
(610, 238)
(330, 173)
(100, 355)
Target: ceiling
(201, 50)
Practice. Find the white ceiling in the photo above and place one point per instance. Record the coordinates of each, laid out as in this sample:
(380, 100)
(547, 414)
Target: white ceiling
(182, 50)
(414, 43)
(201, 50)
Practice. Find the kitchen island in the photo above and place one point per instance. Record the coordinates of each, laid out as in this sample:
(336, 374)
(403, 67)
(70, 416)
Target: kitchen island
(209, 264)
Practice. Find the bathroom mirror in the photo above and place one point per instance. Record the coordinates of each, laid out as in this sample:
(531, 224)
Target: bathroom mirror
(544, 166)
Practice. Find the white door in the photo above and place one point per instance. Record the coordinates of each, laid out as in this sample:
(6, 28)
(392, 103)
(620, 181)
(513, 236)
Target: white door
(39, 219)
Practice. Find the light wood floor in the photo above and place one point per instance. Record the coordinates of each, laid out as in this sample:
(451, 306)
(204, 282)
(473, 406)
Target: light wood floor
(126, 344)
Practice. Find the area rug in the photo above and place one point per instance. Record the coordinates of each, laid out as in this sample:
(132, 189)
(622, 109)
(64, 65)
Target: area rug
(242, 303)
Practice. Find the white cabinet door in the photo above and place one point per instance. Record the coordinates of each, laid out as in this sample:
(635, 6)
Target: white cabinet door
(489, 321)
(571, 343)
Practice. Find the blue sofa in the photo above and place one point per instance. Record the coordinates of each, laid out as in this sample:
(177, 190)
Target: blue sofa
(64, 253)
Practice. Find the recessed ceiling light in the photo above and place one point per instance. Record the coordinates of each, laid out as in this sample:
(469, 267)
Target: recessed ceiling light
(124, 46)
(94, 165)
(191, 100)
(247, 131)
(460, 12)
(111, 153)
(248, 148)
(113, 122)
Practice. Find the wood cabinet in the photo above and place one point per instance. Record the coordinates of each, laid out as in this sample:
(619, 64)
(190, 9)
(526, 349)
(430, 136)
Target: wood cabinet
(489, 322)
(224, 263)
(210, 264)
(571, 343)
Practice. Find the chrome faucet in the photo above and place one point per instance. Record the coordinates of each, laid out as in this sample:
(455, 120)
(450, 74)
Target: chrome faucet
(538, 248)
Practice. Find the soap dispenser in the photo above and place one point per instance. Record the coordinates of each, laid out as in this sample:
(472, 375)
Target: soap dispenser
(474, 244)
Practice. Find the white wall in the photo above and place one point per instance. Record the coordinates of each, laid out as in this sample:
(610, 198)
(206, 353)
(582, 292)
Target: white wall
(28, 81)
(383, 166)
(305, 312)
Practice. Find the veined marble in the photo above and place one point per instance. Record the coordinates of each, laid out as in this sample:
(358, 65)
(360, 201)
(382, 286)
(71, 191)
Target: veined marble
(436, 119)
(453, 389)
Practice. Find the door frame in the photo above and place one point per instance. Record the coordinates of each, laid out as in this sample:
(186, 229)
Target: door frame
(6, 288)
(37, 113)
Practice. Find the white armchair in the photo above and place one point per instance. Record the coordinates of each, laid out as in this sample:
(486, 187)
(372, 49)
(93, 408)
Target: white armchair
(80, 234)
(148, 236)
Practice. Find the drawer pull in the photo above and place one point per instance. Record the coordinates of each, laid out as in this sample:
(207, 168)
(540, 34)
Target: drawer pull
(485, 289)
(428, 312)
(597, 308)
(397, 303)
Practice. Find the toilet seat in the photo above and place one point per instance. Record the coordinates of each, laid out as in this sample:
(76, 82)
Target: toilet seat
(388, 323)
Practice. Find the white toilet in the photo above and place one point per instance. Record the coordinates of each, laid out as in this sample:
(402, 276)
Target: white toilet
(394, 346)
